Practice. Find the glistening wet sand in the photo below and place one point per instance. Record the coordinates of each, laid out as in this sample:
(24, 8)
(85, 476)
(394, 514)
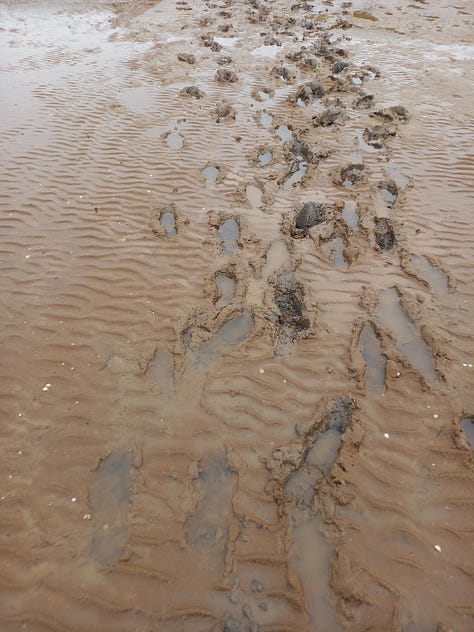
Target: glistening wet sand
(236, 379)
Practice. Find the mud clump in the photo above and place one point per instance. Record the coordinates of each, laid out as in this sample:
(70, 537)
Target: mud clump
(339, 66)
(328, 117)
(224, 112)
(310, 214)
(377, 135)
(188, 58)
(365, 15)
(384, 235)
(307, 93)
(340, 415)
(301, 151)
(282, 73)
(351, 174)
(209, 42)
(193, 91)
(289, 299)
(394, 114)
(223, 75)
(365, 102)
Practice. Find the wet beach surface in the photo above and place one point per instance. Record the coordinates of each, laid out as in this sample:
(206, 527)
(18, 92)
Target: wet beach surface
(237, 348)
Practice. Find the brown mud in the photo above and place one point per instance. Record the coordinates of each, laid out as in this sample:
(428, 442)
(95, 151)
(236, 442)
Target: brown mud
(237, 352)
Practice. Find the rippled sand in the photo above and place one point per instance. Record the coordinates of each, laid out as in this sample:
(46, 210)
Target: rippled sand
(236, 368)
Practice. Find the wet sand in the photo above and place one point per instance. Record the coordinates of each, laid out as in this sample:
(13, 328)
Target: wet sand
(236, 369)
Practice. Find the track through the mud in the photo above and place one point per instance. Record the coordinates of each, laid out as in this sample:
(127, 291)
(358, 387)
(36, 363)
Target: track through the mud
(236, 378)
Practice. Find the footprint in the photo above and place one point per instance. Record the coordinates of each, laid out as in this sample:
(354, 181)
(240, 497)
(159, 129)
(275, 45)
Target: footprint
(229, 233)
(384, 234)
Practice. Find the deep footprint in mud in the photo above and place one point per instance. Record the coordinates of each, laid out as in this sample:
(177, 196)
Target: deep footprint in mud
(408, 340)
(229, 232)
(226, 286)
(375, 361)
(384, 234)
(289, 298)
(467, 426)
(211, 174)
(110, 494)
(206, 529)
(226, 338)
(431, 274)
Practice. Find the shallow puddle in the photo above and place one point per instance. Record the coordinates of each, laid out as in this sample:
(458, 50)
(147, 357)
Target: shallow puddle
(409, 342)
(266, 120)
(468, 428)
(168, 221)
(174, 140)
(226, 287)
(270, 51)
(160, 371)
(265, 158)
(375, 361)
(311, 556)
(228, 336)
(350, 214)
(228, 233)
(211, 173)
(431, 274)
(389, 195)
(296, 176)
(284, 133)
(207, 528)
(110, 495)
(338, 246)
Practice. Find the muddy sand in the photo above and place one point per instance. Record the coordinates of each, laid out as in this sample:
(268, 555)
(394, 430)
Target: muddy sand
(237, 345)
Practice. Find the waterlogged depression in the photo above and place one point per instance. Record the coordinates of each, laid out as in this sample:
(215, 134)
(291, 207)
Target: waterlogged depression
(237, 347)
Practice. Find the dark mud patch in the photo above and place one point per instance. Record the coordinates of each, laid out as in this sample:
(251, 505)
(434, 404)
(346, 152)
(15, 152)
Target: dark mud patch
(289, 296)
(226, 337)
(193, 92)
(307, 93)
(188, 58)
(339, 66)
(224, 112)
(394, 114)
(224, 75)
(329, 117)
(384, 234)
(350, 175)
(377, 136)
(282, 73)
(365, 102)
(110, 495)
(207, 528)
(229, 233)
(375, 361)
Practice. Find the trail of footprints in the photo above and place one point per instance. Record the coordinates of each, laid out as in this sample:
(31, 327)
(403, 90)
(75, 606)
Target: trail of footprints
(342, 231)
(255, 287)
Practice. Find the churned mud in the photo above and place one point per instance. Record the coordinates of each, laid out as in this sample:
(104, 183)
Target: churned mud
(237, 349)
